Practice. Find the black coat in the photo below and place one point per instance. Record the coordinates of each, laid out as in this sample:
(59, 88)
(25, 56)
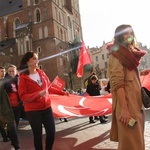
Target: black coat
(6, 112)
(93, 89)
(8, 80)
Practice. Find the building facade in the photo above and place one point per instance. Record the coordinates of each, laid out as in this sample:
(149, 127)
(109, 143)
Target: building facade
(145, 61)
(100, 57)
(48, 27)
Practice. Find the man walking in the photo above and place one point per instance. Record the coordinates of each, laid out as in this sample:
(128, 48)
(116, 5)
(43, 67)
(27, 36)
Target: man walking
(6, 114)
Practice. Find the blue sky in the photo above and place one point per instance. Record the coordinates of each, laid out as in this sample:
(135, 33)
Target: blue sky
(99, 19)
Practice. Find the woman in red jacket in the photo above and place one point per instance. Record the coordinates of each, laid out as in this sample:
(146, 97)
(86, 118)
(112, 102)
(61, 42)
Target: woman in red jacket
(34, 88)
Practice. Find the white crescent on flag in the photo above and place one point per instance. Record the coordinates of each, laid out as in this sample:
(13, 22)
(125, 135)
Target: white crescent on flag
(80, 106)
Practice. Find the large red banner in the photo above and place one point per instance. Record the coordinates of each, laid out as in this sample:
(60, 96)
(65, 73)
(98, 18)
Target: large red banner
(80, 106)
(145, 81)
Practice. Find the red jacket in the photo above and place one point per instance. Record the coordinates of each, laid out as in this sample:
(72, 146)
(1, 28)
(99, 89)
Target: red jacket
(13, 98)
(29, 92)
(11, 87)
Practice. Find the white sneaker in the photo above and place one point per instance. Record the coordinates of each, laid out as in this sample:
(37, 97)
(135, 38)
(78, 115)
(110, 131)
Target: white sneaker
(12, 148)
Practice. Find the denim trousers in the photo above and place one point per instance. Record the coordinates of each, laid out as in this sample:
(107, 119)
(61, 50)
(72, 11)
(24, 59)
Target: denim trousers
(16, 111)
(12, 130)
(36, 120)
(3, 132)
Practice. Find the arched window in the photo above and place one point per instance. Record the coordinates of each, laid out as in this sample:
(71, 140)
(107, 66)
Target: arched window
(63, 19)
(56, 16)
(45, 32)
(30, 16)
(0, 34)
(11, 50)
(40, 33)
(57, 2)
(21, 44)
(40, 66)
(77, 32)
(16, 24)
(65, 36)
(39, 49)
(29, 2)
(37, 15)
(60, 3)
(57, 31)
(36, 1)
(70, 33)
(61, 34)
(45, 13)
(77, 20)
(59, 17)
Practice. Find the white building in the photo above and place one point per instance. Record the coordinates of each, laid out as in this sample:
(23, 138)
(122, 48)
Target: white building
(99, 56)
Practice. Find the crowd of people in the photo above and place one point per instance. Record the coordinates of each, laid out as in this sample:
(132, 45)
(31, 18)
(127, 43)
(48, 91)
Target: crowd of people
(30, 87)
(32, 91)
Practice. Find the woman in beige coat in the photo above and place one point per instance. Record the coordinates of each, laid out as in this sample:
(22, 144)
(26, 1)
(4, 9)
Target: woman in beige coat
(126, 90)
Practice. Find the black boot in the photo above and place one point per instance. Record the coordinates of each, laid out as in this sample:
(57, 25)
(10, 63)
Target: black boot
(91, 120)
(102, 120)
(65, 120)
(105, 117)
(96, 118)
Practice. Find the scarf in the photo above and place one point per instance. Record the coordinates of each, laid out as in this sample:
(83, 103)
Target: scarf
(127, 58)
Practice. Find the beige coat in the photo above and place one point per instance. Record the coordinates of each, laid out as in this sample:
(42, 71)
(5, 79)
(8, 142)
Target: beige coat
(128, 138)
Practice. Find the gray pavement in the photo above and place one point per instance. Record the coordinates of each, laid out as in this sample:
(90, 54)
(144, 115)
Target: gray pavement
(76, 134)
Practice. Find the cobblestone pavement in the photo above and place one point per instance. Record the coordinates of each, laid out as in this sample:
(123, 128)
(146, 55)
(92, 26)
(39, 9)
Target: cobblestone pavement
(76, 134)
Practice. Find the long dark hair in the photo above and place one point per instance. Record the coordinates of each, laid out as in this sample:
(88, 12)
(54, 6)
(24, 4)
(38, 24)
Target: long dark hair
(119, 33)
(23, 68)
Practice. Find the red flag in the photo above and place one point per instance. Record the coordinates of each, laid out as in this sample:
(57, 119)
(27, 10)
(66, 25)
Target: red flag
(84, 58)
(58, 83)
(80, 106)
(145, 81)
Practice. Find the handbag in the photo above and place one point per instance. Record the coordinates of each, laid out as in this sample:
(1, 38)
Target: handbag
(145, 97)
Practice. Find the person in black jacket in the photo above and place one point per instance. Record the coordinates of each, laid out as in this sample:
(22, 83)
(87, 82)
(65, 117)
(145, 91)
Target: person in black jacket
(108, 87)
(93, 89)
(2, 128)
(11, 87)
(88, 80)
(7, 115)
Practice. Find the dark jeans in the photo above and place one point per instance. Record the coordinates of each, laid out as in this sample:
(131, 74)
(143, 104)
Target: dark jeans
(3, 132)
(16, 111)
(11, 127)
(36, 119)
(101, 118)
